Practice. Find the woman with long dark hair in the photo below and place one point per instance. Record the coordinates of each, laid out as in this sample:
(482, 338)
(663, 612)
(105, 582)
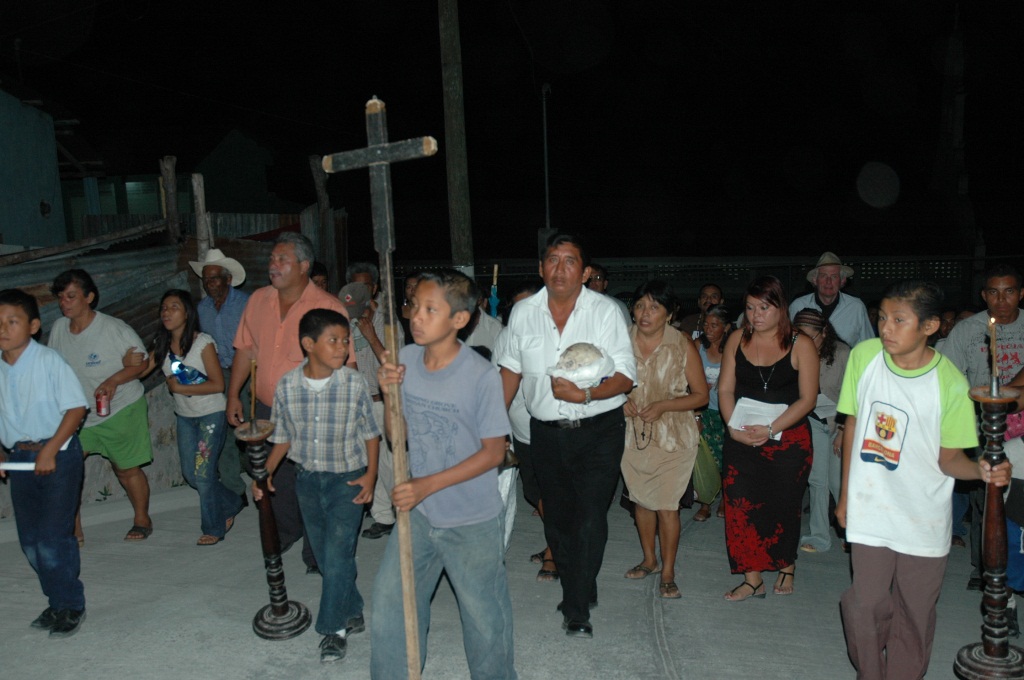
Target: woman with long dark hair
(194, 378)
(766, 463)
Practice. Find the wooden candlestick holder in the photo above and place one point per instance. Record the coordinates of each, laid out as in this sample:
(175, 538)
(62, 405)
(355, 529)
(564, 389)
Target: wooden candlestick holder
(993, 657)
(282, 619)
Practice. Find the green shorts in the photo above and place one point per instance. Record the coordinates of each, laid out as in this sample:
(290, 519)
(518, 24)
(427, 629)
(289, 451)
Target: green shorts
(122, 438)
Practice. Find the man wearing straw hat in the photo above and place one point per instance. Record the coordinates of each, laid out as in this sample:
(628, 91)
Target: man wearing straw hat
(846, 313)
(219, 315)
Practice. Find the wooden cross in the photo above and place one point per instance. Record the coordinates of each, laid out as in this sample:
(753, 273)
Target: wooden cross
(378, 156)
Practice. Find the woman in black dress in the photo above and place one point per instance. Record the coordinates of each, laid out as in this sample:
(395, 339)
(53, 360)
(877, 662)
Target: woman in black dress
(765, 477)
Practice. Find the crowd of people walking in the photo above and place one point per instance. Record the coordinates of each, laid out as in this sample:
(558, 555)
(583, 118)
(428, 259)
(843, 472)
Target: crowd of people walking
(578, 391)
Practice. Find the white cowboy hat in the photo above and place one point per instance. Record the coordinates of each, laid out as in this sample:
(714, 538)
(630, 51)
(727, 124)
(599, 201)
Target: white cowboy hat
(827, 259)
(215, 257)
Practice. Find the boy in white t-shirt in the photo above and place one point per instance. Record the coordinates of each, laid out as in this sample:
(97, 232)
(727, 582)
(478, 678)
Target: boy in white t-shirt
(909, 419)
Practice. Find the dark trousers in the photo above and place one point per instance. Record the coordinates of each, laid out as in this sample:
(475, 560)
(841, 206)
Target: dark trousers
(578, 470)
(233, 458)
(285, 502)
(976, 496)
(889, 612)
(527, 473)
(44, 511)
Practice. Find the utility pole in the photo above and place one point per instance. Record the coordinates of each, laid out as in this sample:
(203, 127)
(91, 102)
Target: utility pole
(455, 137)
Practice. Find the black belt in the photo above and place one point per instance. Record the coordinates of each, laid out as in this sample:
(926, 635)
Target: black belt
(592, 421)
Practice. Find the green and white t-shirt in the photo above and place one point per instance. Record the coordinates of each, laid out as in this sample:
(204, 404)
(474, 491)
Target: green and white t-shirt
(897, 496)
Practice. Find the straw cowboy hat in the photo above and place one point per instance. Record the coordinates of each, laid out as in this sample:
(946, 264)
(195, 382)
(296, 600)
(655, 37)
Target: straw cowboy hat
(215, 257)
(827, 259)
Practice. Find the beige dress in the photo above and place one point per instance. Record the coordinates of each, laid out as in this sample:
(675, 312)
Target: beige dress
(659, 456)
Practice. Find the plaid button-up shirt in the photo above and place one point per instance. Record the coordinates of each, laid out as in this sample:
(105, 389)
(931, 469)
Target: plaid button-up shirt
(327, 430)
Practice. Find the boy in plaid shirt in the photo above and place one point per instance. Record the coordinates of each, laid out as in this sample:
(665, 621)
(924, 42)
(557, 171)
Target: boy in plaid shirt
(323, 421)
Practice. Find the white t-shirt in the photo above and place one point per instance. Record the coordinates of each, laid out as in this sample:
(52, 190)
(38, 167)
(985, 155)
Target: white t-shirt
(95, 354)
(897, 496)
(199, 404)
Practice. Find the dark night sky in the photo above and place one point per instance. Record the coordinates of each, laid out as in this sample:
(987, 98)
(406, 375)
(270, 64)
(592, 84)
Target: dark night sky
(674, 128)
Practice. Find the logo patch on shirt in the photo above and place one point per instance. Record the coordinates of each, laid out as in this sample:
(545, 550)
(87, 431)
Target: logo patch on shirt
(93, 360)
(883, 437)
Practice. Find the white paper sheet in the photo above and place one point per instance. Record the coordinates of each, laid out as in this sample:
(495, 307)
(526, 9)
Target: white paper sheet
(753, 412)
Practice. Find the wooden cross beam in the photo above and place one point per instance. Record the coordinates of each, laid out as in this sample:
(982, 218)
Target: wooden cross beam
(377, 157)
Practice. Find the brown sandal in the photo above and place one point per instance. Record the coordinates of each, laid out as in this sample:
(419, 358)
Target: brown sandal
(703, 514)
(668, 590)
(640, 571)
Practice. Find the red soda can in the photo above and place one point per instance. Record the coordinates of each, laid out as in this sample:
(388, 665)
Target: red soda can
(102, 405)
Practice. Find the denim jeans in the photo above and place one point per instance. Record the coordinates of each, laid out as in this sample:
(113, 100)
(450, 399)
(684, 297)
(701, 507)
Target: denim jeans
(473, 557)
(44, 511)
(200, 441)
(332, 524)
(826, 476)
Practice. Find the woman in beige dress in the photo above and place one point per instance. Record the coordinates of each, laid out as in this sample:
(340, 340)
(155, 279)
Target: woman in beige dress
(661, 431)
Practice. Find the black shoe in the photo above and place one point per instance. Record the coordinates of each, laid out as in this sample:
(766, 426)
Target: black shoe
(580, 629)
(67, 624)
(45, 620)
(332, 648)
(975, 583)
(377, 530)
(312, 569)
(357, 624)
(591, 605)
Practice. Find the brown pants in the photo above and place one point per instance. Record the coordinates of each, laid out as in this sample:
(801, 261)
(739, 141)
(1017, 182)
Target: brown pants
(889, 612)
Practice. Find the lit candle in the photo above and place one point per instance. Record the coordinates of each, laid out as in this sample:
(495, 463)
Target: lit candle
(993, 356)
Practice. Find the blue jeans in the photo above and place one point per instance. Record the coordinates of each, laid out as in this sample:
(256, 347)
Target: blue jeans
(200, 441)
(332, 523)
(473, 557)
(44, 511)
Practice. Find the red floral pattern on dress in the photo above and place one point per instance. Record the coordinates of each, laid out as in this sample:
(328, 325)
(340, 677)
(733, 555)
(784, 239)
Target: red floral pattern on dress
(763, 490)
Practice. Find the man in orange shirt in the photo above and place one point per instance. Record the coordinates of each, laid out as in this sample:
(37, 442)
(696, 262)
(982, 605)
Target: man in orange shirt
(269, 333)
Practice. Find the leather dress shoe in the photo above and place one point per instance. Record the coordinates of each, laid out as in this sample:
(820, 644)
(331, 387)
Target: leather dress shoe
(975, 583)
(580, 629)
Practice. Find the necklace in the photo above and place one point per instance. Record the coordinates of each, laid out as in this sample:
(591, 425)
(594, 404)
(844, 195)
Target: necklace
(645, 435)
(760, 373)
